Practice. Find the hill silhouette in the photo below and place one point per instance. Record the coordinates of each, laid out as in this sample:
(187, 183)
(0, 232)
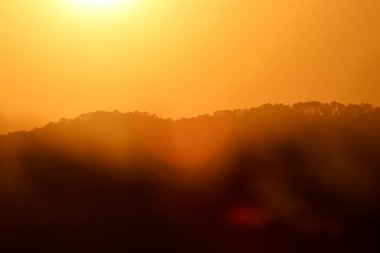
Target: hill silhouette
(277, 178)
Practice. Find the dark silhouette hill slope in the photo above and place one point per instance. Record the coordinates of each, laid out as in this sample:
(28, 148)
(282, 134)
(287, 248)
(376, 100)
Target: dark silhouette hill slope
(300, 178)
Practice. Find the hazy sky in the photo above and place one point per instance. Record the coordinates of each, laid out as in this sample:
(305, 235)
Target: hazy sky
(178, 58)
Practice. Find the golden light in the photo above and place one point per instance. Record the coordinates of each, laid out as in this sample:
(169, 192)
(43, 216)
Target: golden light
(99, 8)
(97, 3)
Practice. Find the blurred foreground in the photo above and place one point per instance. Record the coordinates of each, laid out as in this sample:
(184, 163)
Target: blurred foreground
(301, 178)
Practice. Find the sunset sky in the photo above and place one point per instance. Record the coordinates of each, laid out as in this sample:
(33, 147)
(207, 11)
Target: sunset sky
(62, 58)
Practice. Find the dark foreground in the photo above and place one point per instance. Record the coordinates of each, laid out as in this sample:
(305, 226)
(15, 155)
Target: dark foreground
(271, 179)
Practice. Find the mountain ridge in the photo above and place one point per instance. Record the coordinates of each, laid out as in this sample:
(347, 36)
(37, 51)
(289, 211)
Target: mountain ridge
(312, 108)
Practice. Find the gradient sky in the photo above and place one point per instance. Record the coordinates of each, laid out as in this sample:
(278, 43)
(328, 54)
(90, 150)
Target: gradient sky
(182, 58)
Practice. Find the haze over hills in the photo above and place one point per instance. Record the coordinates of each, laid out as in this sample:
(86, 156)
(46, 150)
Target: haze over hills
(323, 109)
(300, 178)
(182, 58)
(189, 179)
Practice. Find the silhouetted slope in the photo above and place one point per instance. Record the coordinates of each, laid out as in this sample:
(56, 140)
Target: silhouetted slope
(301, 178)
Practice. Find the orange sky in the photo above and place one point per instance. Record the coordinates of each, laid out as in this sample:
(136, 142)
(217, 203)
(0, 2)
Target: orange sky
(182, 58)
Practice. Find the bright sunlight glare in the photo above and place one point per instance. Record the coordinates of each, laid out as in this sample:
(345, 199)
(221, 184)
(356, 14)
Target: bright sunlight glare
(97, 3)
(99, 8)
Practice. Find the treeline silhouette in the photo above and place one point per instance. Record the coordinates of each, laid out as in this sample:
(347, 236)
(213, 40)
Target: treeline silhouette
(277, 178)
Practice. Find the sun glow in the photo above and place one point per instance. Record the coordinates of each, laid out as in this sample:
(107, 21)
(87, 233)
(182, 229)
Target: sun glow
(97, 3)
(99, 8)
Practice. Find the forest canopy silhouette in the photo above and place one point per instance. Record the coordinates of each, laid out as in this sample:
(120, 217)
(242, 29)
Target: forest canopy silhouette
(276, 178)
